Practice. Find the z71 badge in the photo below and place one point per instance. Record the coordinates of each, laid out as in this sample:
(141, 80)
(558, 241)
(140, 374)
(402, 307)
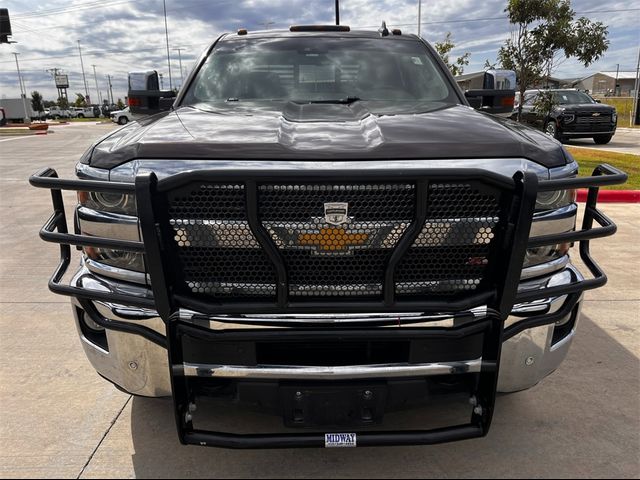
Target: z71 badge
(340, 440)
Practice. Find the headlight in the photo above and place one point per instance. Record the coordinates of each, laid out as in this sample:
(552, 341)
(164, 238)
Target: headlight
(547, 202)
(568, 117)
(109, 202)
(119, 203)
(544, 254)
(614, 117)
(116, 258)
(554, 199)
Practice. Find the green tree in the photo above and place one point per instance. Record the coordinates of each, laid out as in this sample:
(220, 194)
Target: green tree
(490, 66)
(63, 103)
(444, 49)
(80, 100)
(120, 104)
(36, 101)
(545, 33)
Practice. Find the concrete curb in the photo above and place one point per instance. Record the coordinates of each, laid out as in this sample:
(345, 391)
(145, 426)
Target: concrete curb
(22, 133)
(612, 196)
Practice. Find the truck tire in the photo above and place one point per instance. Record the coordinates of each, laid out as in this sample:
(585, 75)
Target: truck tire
(551, 129)
(80, 115)
(122, 120)
(602, 139)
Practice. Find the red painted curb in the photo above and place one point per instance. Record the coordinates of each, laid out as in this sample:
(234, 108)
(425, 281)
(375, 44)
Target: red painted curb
(612, 196)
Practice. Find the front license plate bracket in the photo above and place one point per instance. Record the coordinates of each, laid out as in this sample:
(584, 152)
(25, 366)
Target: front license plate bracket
(333, 405)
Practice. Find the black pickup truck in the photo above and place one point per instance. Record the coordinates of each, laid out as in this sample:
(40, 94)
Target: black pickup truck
(320, 226)
(569, 114)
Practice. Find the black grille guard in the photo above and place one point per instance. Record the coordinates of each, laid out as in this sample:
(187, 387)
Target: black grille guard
(519, 195)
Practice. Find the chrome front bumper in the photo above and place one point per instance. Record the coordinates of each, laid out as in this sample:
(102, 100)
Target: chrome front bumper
(140, 366)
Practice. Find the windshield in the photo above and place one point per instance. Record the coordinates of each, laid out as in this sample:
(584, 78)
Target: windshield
(571, 97)
(392, 75)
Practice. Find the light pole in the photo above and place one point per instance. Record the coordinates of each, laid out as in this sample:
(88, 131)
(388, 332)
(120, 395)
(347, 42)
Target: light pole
(84, 78)
(95, 77)
(110, 88)
(23, 94)
(419, 15)
(166, 34)
(337, 12)
(180, 60)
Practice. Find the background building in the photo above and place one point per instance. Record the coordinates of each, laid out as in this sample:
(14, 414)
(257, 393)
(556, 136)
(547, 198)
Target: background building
(604, 83)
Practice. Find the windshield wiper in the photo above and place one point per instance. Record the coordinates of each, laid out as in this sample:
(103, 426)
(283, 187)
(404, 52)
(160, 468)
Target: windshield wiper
(341, 101)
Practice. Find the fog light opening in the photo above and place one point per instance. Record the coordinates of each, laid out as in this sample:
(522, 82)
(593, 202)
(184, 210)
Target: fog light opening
(562, 328)
(91, 331)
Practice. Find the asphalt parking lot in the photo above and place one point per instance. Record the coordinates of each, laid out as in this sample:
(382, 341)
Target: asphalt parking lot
(60, 419)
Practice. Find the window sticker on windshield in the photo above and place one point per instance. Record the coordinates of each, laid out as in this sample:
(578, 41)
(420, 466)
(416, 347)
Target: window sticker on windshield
(317, 74)
(416, 60)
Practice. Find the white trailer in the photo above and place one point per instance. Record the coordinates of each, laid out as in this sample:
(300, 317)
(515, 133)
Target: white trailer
(14, 109)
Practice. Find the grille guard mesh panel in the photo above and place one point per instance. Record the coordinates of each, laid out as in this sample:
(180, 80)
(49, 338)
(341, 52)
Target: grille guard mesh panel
(334, 255)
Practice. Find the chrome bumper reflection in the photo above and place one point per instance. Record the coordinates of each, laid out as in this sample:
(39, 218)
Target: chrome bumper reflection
(349, 372)
(526, 358)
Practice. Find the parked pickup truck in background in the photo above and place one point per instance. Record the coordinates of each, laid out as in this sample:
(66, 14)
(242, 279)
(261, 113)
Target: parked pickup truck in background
(85, 112)
(121, 117)
(57, 113)
(321, 227)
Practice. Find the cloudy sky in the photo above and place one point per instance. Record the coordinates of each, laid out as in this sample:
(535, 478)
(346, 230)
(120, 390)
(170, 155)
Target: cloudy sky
(118, 36)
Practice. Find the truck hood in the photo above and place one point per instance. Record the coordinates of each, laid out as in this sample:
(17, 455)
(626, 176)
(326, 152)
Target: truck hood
(587, 107)
(324, 132)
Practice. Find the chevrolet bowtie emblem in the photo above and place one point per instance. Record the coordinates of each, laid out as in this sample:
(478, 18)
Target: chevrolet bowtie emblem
(332, 239)
(595, 114)
(336, 213)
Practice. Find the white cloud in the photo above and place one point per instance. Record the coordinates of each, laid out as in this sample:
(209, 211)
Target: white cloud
(123, 35)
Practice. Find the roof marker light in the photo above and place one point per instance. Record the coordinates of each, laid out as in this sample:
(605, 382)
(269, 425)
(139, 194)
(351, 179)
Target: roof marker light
(319, 28)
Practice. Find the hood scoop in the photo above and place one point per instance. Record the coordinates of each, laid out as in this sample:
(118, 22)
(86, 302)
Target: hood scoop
(316, 126)
(324, 112)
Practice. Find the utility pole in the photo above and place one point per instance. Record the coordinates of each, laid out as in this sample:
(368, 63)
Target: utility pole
(110, 89)
(166, 34)
(337, 12)
(636, 100)
(95, 77)
(615, 85)
(84, 78)
(23, 94)
(419, 16)
(180, 60)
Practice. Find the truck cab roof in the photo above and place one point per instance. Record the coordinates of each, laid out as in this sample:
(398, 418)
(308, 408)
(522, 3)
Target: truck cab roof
(319, 31)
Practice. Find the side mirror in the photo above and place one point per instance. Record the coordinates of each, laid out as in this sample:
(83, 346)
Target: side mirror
(498, 93)
(491, 101)
(145, 96)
